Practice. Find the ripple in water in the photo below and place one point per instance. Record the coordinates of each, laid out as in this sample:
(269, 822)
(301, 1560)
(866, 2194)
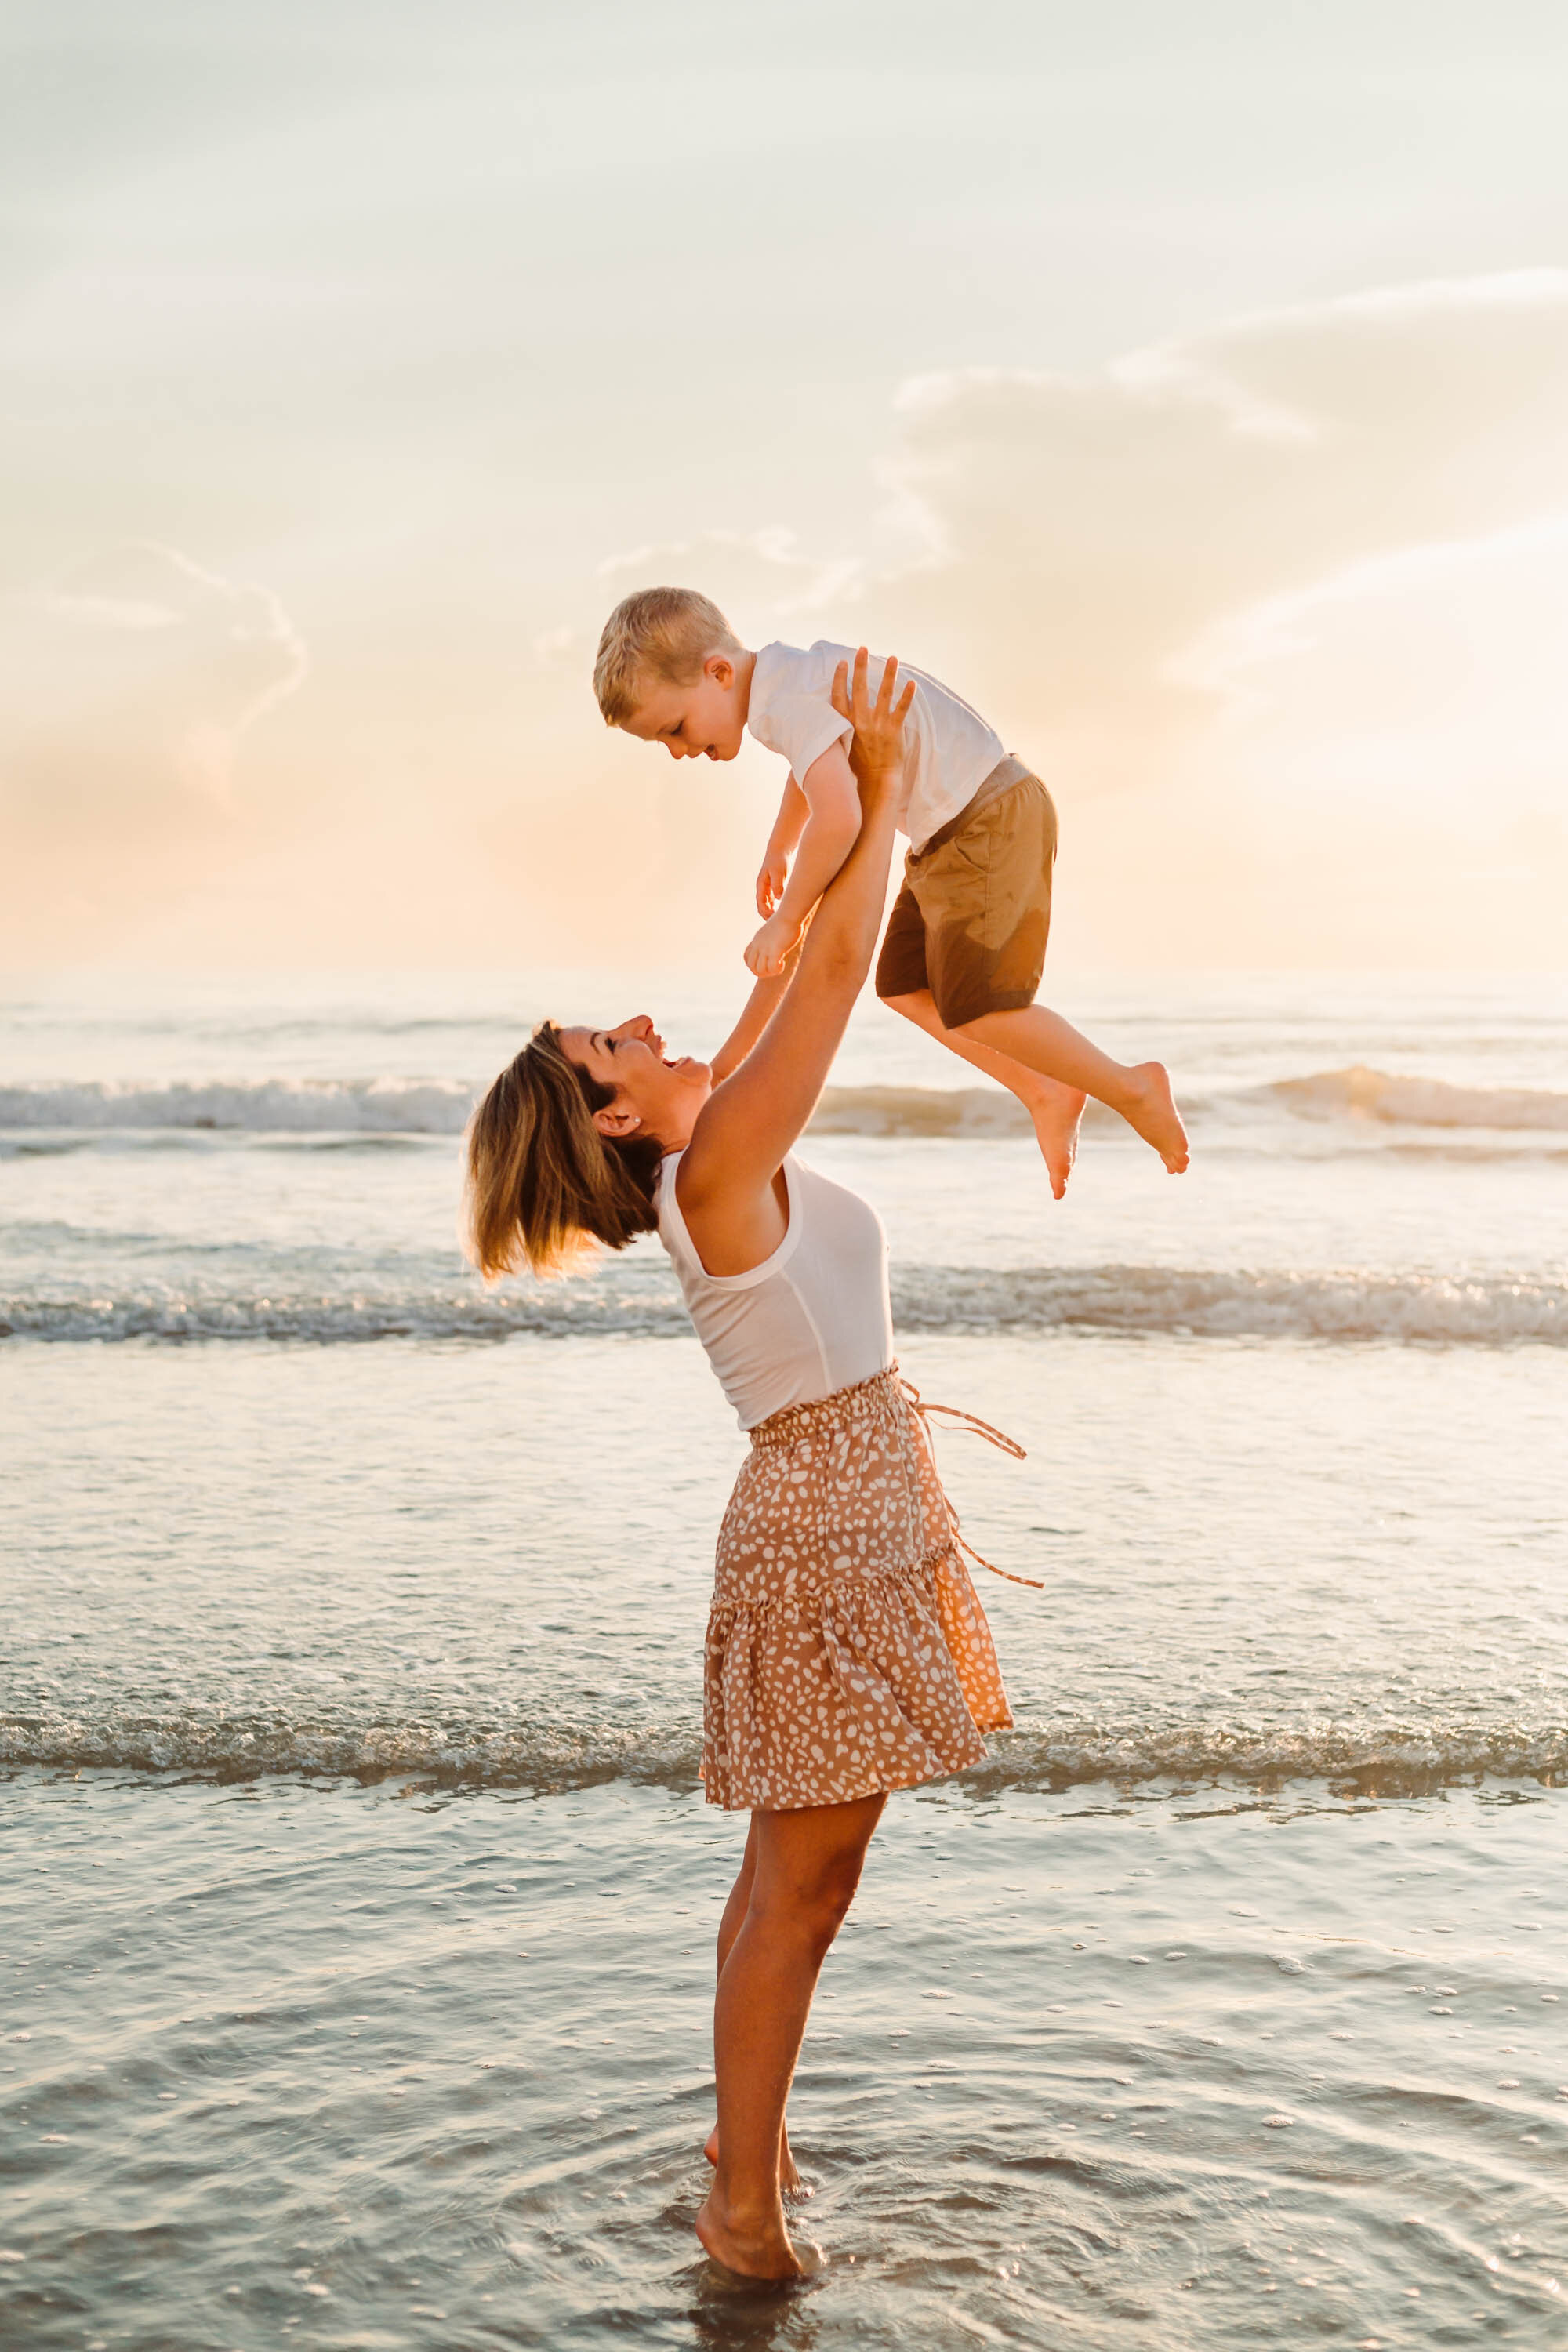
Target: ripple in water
(371, 2068)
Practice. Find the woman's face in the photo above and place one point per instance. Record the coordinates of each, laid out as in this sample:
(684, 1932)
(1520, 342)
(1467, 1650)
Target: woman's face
(654, 1095)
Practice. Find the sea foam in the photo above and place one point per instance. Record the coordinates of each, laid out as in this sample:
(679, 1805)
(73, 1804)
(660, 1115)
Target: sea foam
(1337, 1306)
(1399, 1758)
(441, 1107)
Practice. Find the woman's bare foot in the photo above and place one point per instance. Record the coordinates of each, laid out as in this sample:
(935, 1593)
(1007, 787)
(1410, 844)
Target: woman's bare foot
(1056, 1110)
(1149, 1109)
(755, 2246)
(790, 2182)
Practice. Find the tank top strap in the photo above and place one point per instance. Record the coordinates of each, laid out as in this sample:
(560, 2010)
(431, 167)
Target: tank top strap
(671, 1223)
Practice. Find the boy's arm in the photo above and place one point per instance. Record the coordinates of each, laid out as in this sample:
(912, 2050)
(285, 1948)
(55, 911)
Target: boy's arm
(832, 829)
(831, 832)
(788, 826)
(764, 1001)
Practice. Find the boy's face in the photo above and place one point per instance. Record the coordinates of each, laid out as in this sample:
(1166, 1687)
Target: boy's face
(703, 720)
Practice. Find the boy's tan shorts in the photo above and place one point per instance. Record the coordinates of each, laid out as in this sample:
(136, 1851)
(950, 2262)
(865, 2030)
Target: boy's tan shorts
(972, 919)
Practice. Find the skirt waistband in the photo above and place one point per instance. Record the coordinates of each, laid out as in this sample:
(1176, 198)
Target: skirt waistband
(793, 1421)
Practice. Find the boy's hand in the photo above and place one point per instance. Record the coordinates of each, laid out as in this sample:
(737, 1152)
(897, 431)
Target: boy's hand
(771, 949)
(772, 880)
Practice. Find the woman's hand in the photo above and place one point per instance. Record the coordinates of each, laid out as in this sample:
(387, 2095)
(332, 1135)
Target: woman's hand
(877, 752)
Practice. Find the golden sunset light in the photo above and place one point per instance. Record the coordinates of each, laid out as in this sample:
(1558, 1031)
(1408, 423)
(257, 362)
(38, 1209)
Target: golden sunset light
(783, 1311)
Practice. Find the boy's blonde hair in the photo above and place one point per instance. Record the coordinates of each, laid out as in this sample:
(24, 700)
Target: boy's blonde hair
(663, 633)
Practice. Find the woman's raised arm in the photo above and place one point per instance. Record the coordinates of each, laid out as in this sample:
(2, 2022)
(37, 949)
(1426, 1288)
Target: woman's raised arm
(753, 1119)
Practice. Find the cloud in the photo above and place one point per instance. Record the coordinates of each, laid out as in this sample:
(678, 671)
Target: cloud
(766, 570)
(1085, 539)
(126, 683)
(1432, 675)
(1086, 557)
(1277, 609)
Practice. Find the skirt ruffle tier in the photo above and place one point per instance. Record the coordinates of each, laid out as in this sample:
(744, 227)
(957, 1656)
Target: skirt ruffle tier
(848, 1651)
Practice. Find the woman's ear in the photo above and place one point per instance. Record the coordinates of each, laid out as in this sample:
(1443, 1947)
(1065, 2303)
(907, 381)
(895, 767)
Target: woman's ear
(612, 1122)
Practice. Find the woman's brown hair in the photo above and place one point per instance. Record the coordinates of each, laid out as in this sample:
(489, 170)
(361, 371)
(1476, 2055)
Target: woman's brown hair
(543, 1183)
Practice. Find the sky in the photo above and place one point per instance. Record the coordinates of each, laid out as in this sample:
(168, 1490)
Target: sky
(1186, 386)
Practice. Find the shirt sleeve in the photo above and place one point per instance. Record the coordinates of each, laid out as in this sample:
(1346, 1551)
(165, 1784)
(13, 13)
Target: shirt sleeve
(801, 727)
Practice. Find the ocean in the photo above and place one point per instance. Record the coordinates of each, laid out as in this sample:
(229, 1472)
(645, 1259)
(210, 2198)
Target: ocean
(349, 1712)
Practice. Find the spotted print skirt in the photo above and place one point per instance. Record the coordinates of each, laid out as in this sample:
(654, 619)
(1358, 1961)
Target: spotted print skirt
(848, 1651)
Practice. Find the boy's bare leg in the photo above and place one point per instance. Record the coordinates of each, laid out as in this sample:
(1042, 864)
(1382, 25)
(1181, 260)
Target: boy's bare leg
(1141, 1091)
(1055, 1109)
(790, 2180)
(805, 1871)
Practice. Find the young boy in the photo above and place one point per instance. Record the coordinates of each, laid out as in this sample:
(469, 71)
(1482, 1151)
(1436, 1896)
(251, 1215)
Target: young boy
(965, 944)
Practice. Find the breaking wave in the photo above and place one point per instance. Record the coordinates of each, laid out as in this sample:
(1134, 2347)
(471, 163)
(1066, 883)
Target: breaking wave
(1408, 1310)
(265, 1106)
(1355, 1095)
(1388, 1759)
(382, 1106)
(1361, 1093)
(1222, 1303)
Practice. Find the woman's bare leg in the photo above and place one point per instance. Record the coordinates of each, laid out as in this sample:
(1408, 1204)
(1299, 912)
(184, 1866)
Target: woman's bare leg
(790, 2180)
(804, 1871)
(1055, 1109)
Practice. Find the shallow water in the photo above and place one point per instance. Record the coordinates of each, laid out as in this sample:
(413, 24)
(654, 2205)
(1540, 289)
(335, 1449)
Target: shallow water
(329, 2066)
(358, 1895)
(491, 1564)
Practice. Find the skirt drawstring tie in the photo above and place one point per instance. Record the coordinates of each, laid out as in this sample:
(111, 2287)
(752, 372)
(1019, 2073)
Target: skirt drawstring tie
(994, 1437)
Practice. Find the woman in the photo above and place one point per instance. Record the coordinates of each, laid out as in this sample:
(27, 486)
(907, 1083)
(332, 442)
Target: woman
(846, 1654)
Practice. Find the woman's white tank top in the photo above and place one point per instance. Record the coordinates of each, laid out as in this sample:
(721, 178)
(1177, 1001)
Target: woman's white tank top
(813, 1317)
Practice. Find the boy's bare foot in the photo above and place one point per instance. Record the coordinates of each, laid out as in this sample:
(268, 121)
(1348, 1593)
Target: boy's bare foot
(790, 2182)
(755, 2246)
(1150, 1112)
(1057, 1111)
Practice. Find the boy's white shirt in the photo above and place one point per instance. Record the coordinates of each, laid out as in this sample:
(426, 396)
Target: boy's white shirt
(949, 749)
